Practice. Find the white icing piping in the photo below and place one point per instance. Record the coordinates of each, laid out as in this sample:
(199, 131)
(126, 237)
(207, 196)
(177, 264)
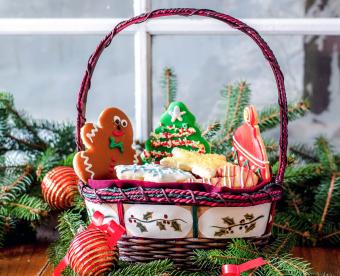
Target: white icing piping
(88, 166)
(242, 184)
(229, 179)
(245, 152)
(92, 133)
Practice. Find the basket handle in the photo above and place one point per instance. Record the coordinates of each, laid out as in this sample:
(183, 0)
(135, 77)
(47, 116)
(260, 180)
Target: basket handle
(232, 22)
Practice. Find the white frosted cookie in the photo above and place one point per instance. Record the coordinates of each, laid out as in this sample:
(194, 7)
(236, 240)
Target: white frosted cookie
(152, 173)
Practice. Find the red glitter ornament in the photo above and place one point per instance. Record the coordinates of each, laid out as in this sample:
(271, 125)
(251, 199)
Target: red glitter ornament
(59, 187)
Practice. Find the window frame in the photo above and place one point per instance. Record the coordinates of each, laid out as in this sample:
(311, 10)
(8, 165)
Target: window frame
(143, 41)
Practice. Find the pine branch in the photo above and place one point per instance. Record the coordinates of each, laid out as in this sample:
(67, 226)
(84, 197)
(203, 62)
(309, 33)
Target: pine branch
(57, 251)
(211, 131)
(240, 251)
(45, 162)
(6, 224)
(169, 85)
(27, 143)
(227, 94)
(160, 267)
(68, 160)
(299, 175)
(63, 142)
(282, 244)
(271, 145)
(286, 228)
(296, 201)
(330, 235)
(11, 187)
(79, 203)
(237, 98)
(26, 125)
(328, 201)
(270, 117)
(305, 152)
(29, 208)
(69, 224)
(325, 154)
(287, 265)
(327, 198)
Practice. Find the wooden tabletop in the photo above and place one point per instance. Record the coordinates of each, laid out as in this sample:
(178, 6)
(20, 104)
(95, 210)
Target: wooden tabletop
(32, 260)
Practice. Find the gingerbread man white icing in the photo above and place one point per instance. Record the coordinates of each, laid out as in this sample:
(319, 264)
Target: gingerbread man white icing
(108, 143)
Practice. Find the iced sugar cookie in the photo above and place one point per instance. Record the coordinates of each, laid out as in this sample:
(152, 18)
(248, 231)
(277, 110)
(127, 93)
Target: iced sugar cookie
(249, 149)
(177, 128)
(108, 143)
(152, 173)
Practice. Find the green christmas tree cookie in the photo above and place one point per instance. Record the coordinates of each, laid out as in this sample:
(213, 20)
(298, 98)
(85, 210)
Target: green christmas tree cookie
(177, 129)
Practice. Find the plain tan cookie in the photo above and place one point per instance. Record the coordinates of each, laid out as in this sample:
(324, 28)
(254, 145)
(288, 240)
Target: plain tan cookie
(203, 165)
(237, 176)
(107, 144)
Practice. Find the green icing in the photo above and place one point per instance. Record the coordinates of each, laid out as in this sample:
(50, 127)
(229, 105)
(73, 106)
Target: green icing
(176, 119)
(113, 144)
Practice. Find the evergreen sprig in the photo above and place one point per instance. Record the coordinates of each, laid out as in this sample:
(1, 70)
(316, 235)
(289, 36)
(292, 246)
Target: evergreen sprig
(28, 208)
(279, 262)
(212, 130)
(169, 86)
(304, 152)
(29, 148)
(269, 117)
(70, 223)
(160, 267)
(236, 97)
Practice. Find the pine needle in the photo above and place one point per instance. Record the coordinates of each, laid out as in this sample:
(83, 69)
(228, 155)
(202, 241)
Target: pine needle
(169, 86)
(161, 267)
(270, 116)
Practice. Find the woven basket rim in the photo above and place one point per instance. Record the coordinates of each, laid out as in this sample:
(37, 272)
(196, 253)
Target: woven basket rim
(184, 186)
(133, 192)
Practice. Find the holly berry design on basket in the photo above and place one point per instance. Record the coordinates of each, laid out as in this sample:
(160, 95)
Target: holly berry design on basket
(163, 223)
(92, 251)
(59, 187)
(248, 146)
(109, 143)
(177, 128)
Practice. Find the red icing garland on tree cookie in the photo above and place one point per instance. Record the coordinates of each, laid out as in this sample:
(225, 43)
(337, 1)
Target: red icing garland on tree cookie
(177, 129)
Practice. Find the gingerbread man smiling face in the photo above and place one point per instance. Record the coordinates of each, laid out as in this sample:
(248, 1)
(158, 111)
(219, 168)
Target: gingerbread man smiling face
(107, 144)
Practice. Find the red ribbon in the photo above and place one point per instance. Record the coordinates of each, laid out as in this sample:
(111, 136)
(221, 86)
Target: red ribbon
(114, 232)
(236, 270)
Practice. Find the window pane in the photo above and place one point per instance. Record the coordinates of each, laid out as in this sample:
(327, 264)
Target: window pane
(44, 74)
(205, 64)
(66, 8)
(259, 8)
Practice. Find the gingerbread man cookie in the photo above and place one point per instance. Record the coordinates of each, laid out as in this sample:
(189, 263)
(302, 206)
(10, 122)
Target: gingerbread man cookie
(109, 143)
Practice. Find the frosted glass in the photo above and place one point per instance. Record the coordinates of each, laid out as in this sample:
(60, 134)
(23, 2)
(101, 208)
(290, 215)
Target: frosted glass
(66, 8)
(44, 74)
(259, 8)
(205, 64)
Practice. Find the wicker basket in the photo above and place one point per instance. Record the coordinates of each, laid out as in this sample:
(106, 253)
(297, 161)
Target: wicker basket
(170, 220)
